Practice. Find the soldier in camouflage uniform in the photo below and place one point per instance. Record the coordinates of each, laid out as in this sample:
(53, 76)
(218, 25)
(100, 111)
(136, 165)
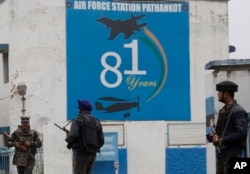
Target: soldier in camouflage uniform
(26, 141)
(231, 127)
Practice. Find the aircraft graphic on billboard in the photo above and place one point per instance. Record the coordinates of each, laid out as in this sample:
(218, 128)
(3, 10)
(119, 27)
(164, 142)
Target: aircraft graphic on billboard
(128, 27)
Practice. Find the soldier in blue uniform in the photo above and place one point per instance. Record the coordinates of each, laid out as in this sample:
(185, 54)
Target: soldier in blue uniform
(26, 141)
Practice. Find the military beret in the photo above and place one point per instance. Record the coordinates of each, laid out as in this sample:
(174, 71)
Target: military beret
(227, 86)
(84, 105)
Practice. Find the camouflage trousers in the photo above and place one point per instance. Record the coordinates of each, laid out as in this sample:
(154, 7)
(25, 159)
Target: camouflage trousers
(83, 164)
(25, 162)
(25, 169)
(222, 164)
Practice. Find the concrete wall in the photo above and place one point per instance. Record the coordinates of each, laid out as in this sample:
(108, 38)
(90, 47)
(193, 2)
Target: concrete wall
(4, 87)
(208, 41)
(35, 31)
(38, 58)
(4, 21)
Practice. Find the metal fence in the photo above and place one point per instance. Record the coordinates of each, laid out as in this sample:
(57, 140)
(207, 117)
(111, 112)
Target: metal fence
(6, 157)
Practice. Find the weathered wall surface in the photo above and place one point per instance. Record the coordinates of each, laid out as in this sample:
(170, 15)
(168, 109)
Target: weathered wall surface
(208, 41)
(38, 58)
(4, 87)
(4, 21)
(35, 31)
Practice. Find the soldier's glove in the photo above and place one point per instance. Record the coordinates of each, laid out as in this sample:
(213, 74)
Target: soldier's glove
(20, 146)
(209, 138)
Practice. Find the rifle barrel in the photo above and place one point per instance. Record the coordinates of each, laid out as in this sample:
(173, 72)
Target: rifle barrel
(62, 128)
(7, 136)
(58, 126)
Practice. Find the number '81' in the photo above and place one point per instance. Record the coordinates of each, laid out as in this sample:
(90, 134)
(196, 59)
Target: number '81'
(115, 69)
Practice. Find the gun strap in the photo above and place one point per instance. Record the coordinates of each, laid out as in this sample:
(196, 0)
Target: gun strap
(222, 135)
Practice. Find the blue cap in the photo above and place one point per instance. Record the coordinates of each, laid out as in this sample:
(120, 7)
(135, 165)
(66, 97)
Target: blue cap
(84, 105)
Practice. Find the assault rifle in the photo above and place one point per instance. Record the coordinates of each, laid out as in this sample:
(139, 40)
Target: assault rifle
(62, 128)
(65, 130)
(212, 125)
(21, 144)
(7, 136)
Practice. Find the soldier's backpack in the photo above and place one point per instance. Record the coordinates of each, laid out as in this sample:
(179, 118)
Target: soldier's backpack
(92, 133)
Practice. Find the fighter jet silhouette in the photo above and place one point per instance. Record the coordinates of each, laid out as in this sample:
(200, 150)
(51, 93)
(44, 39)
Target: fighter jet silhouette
(119, 105)
(122, 26)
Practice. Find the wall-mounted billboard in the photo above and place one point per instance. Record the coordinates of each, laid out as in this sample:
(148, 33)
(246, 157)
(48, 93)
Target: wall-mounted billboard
(129, 59)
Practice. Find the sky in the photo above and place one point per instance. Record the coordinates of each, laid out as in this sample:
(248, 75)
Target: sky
(239, 28)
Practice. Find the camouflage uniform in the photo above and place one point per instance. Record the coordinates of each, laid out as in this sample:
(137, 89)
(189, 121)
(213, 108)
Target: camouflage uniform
(25, 159)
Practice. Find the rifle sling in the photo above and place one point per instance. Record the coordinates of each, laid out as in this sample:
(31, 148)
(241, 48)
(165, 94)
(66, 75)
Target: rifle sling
(222, 135)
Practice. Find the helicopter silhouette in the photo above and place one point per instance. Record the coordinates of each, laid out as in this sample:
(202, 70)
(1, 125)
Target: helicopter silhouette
(118, 105)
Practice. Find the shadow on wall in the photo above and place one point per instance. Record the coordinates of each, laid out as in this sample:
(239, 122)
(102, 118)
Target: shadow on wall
(1, 1)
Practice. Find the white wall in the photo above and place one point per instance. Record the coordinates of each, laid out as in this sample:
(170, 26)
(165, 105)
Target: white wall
(4, 21)
(208, 41)
(57, 158)
(4, 88)
(38, 58)
(146, 147)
